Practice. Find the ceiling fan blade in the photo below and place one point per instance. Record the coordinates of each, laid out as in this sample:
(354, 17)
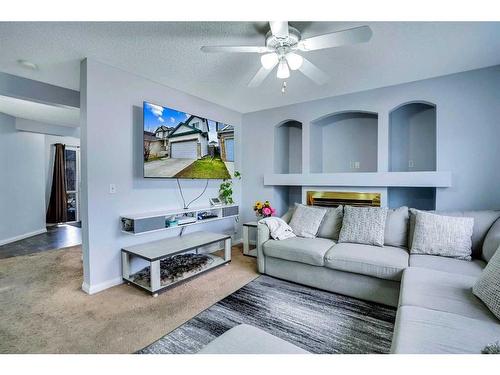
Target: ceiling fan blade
(279, 29)
(339, 38)
(235, 49)
(260, 77)
(313, 73)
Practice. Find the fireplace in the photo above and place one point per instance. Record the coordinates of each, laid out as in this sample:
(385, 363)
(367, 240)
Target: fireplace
(336, 198)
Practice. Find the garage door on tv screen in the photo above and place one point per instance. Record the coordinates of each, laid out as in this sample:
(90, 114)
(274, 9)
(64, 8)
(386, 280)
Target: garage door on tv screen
(181, 145)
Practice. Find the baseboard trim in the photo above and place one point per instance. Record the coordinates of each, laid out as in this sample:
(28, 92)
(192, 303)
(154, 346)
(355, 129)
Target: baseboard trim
(22, 236)
(93, 289)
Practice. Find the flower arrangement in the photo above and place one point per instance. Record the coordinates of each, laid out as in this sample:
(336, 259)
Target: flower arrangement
(263, 209)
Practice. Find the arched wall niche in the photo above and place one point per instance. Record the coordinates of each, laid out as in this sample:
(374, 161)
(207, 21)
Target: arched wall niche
(344, 141)
(412, 137)
(288, 147)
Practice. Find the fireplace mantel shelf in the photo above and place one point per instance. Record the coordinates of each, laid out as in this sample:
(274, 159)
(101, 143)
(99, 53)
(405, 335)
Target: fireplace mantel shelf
(361, 179)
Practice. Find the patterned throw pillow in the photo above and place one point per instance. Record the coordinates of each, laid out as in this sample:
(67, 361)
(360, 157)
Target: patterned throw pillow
(446, 236)
(365, 225)
(487, 287)
(306, 220)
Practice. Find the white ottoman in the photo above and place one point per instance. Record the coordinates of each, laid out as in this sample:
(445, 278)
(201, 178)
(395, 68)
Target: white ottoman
(245, 339)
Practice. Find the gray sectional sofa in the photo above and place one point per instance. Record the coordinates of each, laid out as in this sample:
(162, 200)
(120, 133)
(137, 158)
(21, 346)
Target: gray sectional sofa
(437, 312)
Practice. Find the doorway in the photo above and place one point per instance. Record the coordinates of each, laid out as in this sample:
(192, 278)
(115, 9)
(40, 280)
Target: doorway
(72, 169)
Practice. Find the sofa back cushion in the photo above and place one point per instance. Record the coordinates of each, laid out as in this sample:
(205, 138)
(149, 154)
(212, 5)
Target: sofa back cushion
(364, 225)
(491, 241)
(483, 220)
(288, 215)
(306, 220)
(332, 223)
(396, 227)
(446, 236)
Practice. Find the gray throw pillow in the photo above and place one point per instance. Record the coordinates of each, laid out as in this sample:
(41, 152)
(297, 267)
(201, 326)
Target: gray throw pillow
(306, 220)
(332, 223)
(446, 236)
(396, 227)
(363, 225)
(487, 287)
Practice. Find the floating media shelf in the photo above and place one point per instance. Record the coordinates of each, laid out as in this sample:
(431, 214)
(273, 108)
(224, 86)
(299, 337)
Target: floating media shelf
(148, 222)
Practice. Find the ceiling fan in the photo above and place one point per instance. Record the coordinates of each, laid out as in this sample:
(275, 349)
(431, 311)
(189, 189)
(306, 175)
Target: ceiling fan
(283, 48)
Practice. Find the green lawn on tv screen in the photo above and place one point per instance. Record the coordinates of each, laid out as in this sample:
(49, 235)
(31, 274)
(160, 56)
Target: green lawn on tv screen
(205, 168)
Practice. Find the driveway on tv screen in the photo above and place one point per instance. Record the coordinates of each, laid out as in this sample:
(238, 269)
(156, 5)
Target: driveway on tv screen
(166, 167)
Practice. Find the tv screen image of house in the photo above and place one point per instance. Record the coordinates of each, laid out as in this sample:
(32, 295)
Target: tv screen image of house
(181, 145)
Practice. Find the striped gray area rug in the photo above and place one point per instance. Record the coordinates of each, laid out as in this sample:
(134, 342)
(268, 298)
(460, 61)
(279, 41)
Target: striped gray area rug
(315, 320)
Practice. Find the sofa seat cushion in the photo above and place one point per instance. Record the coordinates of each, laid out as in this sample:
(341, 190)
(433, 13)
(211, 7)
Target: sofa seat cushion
(423, 331)
(442, 291)
(245, 339)
(382, 262)
(298, 249)
(462, 267)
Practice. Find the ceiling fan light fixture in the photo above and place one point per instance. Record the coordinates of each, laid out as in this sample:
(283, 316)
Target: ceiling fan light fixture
(269, 60)
(283, 71)
(294, 60)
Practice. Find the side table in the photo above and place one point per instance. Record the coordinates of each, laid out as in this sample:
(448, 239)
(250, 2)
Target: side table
(246, 239)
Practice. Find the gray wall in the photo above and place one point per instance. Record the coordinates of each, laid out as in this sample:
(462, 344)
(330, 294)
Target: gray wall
(412, 137)
(288, 144)
(421, 198)
(111, 146)
(468, 130)
(345, 138)
(22, 181)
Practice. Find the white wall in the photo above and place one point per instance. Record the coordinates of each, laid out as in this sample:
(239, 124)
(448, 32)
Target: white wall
(111, 146)
(22, 182)
(468, 133)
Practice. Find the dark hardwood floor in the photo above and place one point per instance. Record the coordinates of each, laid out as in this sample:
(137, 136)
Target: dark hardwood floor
(57, 237)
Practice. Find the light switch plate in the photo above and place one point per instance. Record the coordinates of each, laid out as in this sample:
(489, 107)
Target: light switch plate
(112, 188)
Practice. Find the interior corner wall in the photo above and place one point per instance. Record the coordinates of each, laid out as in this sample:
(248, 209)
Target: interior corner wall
(111, 148)
(468, 133)
(22, 182)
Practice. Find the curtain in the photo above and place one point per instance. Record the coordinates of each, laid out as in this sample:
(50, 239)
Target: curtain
(58, 204)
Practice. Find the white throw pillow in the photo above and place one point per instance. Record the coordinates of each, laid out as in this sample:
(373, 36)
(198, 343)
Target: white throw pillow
(446, 236)
(365, 225)
(306, 220)
(487, 287)
(332, 223)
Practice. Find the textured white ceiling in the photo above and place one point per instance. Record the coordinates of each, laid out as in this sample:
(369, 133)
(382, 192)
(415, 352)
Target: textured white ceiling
(169, 53)
(48, 114)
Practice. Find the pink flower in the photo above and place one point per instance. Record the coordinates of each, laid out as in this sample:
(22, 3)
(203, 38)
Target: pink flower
(273, 211)
(266, 211)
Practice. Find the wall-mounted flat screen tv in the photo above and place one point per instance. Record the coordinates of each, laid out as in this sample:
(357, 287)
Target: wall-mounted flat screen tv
(181, 145)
